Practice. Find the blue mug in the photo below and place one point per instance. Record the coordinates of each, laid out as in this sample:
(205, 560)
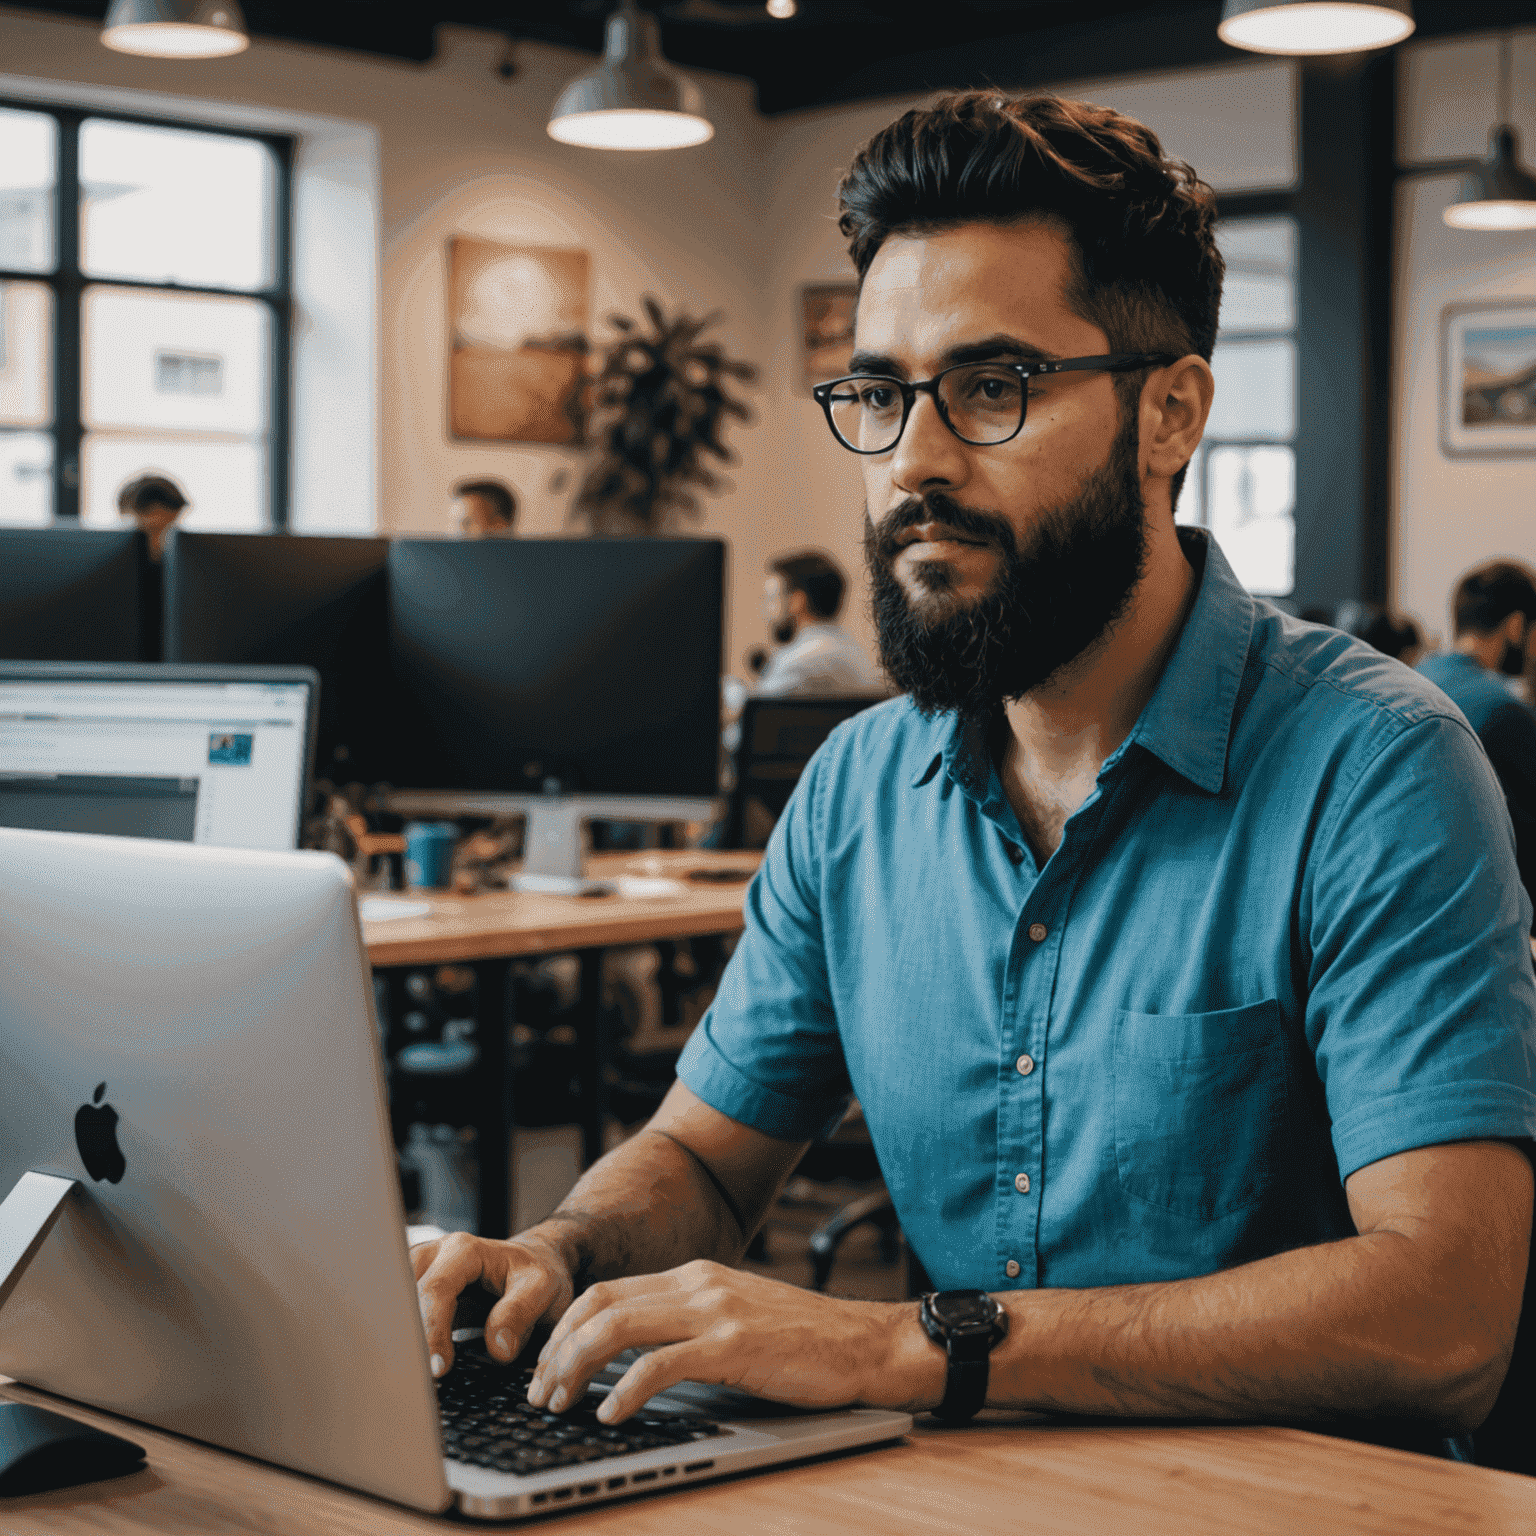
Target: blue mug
(429, 852)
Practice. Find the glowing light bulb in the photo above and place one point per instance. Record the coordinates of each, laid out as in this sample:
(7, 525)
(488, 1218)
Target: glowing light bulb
(782, 10)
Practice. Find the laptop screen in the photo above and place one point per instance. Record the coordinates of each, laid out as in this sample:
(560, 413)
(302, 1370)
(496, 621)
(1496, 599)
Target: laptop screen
(216, 762)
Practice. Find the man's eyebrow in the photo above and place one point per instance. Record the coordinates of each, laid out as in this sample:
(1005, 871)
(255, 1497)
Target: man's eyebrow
(968, 352)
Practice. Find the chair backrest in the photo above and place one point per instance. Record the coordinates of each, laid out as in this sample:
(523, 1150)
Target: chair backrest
(778, 738)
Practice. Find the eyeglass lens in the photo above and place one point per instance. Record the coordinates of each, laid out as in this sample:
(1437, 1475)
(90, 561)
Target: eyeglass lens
(982, 403)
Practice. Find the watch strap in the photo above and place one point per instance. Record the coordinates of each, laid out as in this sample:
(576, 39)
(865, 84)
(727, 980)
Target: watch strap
(965, 1389)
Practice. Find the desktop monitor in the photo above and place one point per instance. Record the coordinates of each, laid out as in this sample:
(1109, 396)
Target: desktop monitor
(75, 594)
(291, 600)
(577, 666)
(216, 755)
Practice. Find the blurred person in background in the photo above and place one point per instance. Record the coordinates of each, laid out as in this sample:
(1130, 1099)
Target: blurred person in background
(1492, 612)
(484, 509)
(817, 657)
(154, 502)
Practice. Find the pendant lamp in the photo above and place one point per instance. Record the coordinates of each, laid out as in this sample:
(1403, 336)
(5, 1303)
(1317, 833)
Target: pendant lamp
(634, 99)
(1500, 193)
(176, 29)
(1314, 26)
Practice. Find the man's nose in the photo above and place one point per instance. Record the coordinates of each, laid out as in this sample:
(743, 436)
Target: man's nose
(928, 455)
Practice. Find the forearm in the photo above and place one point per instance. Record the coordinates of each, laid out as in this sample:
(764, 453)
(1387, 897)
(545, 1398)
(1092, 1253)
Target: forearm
(1358, 1327)
(648, 1205)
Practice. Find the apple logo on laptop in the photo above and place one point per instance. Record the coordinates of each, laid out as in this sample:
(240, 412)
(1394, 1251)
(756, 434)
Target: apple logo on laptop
(96, 1136)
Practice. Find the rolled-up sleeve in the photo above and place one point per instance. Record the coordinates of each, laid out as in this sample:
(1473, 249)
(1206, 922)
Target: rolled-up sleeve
(767, 1053)
(1421, 1008)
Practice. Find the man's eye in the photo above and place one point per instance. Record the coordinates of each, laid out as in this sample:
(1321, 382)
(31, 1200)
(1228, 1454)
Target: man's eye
(877, 397)
(992, 388)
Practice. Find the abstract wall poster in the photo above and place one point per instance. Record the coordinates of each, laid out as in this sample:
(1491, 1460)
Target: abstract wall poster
(826, 329)
(1488, 380)
(517, 324)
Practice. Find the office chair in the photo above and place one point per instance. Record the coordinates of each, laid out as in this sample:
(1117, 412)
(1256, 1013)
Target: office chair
(778, 738)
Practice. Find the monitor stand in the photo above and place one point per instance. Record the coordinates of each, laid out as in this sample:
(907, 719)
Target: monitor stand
(553, 841)
(40, 1449)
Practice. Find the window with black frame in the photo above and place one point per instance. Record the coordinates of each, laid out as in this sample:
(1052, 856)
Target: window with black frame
(1242, 480)
(144, 304)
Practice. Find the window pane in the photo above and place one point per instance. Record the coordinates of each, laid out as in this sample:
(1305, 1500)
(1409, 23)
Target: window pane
(165, 205)
(1260, 290)
(226, 483)
(183, 361)
(29, 154)
(26, 354)
(1251, 500)
(1255, 390)
(26, 477)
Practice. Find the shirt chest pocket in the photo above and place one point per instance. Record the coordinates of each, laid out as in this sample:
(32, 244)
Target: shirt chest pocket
(1201, 1107)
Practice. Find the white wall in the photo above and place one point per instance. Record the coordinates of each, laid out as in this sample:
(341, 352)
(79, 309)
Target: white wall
(404, 157)
(1451, 513)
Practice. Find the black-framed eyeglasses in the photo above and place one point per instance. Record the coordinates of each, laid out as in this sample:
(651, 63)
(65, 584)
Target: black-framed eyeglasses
(983, 404)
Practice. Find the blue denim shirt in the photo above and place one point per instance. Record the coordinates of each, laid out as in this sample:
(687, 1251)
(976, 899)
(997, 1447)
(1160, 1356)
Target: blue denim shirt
(1282, 939)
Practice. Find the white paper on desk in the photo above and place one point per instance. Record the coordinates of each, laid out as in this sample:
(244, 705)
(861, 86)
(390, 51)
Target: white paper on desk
(639, 887)
(379, 909)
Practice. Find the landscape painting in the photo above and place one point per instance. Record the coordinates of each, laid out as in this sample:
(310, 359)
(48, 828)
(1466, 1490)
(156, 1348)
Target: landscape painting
(517, 364)
(1489, 380)
(826, 328)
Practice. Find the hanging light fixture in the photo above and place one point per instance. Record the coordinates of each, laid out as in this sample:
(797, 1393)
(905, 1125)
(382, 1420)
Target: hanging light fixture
(176, 29)
(1500, 193)
(1314, 26)
(634, 99)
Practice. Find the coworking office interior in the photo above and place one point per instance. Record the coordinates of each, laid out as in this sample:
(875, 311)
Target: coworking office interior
(408, 288)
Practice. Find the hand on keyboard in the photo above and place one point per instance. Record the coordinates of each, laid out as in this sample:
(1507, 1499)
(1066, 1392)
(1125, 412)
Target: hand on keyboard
(488, 1421)
(527, 1275)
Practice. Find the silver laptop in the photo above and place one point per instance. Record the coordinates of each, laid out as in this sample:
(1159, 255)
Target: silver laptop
(188, 1031)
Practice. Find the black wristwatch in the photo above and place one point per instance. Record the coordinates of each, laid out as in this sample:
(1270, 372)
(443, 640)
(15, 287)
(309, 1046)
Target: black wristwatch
(968, 1324)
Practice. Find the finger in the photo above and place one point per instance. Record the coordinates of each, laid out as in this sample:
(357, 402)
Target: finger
(459, 1262)
(422, 1255)
(607, 1294)
(698, 1359)
(531, 1291)
(562, 1379)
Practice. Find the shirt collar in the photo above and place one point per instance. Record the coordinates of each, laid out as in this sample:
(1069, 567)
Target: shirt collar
(1188, 720)
(1187, 723)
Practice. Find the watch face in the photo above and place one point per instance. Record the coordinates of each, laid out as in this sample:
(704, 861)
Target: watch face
(964, 1309)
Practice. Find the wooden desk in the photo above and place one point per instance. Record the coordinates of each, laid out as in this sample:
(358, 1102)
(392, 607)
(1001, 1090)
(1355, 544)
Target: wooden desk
(506, 924)
(999, 1476)
(489, 930)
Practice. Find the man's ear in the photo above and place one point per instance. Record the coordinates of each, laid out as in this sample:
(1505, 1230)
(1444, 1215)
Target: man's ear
(798, 608)
(1175, 404)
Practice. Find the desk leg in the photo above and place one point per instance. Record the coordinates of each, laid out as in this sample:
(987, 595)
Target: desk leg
(594, 1097)
(493, 1124)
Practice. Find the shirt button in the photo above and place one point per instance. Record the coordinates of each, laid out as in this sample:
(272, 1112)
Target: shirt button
(1038, 931)
(1011, 1269)
(1021, 1183)
(1015, 853)
(1026, 1065)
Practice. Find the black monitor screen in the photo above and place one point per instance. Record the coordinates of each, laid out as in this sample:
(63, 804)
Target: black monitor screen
(591, 662)
(292, 600)
(74, 594)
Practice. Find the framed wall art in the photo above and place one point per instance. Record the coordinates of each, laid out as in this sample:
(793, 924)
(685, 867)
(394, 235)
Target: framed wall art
(517, 326)
(826, 330)
(1488, 380)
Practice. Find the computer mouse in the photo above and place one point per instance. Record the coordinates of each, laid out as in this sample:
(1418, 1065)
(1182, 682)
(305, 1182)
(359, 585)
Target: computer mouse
(40, 1449)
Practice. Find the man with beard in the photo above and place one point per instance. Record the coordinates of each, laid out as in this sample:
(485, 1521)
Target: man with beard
(1173, 948)
(817, 657)
(1494, 610)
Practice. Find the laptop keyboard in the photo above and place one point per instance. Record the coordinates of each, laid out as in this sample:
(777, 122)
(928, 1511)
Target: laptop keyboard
(488, 1421)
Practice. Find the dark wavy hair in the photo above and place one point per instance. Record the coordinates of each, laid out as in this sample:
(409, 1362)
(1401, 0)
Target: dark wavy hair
(1141, 227)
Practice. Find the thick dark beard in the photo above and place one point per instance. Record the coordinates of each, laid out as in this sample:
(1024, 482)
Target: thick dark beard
(1049, 602)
